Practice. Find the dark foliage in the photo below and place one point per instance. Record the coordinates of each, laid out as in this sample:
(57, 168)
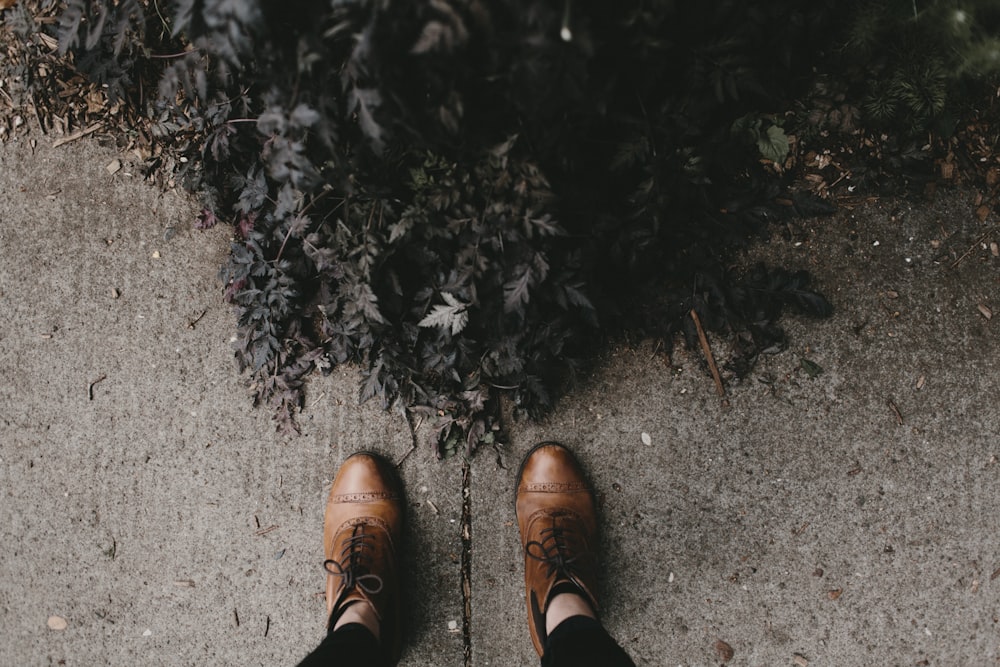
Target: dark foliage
(466, 197)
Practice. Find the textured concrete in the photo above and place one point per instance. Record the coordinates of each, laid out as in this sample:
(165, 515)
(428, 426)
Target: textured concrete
(798, 521)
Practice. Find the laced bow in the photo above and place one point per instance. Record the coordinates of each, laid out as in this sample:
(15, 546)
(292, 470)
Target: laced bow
(553, 550)
(352, 567)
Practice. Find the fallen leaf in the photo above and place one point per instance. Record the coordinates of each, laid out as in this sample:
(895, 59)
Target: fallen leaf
(724, 650)
(835, 593)
(811, 368)
(983, 212)
(800, 660)
(114, 166)
(57, 623)
(994, 249)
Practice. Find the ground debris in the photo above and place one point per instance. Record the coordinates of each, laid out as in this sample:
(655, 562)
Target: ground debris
(77, 135)
(191, 323)
(985, 311)
(724, 651)
(90, 387)
(895, 411)
(57, 623)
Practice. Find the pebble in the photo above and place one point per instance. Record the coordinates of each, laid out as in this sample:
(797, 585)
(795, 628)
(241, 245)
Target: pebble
(646, 439)
(453, 626)
(57, 623)
(147, 633)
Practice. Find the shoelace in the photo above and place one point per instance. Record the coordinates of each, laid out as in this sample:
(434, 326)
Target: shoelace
(352, 567)
(553, 550)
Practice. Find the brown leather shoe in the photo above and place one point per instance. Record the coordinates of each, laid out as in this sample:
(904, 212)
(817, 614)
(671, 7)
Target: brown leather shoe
(361, 534)
(558, 524)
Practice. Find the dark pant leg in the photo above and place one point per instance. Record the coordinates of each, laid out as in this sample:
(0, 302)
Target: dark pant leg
(352, 645)
(580, 641)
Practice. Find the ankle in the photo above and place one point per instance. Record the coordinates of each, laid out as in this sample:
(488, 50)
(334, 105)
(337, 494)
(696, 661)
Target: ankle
(362, 613)
(563, 606)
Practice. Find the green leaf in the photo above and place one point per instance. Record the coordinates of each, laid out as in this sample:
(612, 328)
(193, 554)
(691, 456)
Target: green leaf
(773, 145)
(811, 368)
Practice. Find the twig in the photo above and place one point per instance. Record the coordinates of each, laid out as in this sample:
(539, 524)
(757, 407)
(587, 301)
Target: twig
(80, 134)
(267, 627)
(895, 410)
(173, 55)
(973, 247)
(413, 435)
(90, 387)
(317, 400)
(195, 321)
(38, 116)
(406, 455)
(265, 531)
(708, 354)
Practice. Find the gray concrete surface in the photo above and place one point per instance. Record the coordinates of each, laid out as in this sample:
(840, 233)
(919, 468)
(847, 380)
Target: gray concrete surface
(799, 522)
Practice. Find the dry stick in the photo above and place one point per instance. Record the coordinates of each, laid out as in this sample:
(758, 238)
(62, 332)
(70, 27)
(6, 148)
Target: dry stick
(708, 354)
(76, 135)
(895, 411)
(973, 247)
(38, 116)
(90, 387)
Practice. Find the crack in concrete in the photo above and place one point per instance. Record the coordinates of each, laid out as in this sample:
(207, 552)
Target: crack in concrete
(466, 565)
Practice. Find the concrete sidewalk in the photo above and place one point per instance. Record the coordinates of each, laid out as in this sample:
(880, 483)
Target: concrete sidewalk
(846, 519)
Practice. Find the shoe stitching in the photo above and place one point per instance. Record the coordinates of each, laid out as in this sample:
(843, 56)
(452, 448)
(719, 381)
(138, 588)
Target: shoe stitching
(367, 496)
(555, 487)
